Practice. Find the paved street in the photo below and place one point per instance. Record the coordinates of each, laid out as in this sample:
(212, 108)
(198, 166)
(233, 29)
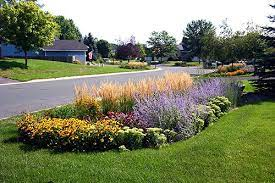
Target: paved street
(29, 97)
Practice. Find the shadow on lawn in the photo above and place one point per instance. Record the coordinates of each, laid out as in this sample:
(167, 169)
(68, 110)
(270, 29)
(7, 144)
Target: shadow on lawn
(5, 65)
(264, 91)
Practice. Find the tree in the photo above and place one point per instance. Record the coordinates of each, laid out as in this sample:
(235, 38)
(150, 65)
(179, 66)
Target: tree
(26, 26)
(162, 44)
(127, 50)
(265, 67)
(104, 48)
(142, 52)
(68, 29)
(12, 2)
(270, 29)
(90, 41)
(194, 36)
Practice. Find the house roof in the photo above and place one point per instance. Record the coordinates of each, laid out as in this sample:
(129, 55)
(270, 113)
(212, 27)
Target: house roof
(66, 45)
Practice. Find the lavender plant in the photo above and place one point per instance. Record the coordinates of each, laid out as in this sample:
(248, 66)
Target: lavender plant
(179, 111)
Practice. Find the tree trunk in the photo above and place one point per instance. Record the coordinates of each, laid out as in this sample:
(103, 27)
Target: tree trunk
(26, 59)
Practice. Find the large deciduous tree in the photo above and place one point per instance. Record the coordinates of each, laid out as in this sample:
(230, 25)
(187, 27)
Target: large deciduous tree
(162, 44)
(194, 36)
(104, 48)
(68, 29)
(26, 26)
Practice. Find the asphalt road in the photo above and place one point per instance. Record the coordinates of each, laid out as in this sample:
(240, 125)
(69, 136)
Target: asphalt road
(29, 97)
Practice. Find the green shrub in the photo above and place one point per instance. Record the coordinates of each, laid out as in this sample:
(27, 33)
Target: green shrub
(199, 124)
(131, 138)
(170, 135)
(63, 112)
(216, 109)
(222, 102)
(154, 138)
(207, 114)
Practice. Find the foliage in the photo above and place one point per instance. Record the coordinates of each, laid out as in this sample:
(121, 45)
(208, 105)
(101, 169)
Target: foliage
(88, 108)
(230, 68)
(68, 29)
(131, 138)
(179, 111)
(207, 114)
(103, 48)
(240, 143)
(128, 50)
(170, 135)
(91, 42)
(26, 26)
(195, 36)
(68, 134)
(121, 97)
(63, 112)
(162, 44)
(135, 65)
(154, 138)
(142, 52)
(127, 119)
(222, 102)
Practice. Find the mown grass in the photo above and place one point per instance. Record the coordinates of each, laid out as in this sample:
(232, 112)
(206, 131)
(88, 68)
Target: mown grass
(42, 69)
(238, 148)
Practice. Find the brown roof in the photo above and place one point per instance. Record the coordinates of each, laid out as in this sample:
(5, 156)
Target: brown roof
(66, 45)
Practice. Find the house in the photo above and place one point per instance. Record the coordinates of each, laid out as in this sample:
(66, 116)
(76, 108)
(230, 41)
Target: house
(184, 53)
(61, 50)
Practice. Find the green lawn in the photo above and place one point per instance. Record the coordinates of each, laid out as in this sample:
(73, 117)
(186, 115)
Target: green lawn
(41, 69)
(238, 148)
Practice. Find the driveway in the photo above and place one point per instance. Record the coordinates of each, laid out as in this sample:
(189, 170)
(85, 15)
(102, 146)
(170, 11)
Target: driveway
(28, 97)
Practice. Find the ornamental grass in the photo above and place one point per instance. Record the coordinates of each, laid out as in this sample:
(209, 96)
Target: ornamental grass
(135, 65)
(121, 97)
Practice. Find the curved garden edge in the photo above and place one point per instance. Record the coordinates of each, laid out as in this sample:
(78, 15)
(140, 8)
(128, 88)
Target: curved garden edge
(237, 148)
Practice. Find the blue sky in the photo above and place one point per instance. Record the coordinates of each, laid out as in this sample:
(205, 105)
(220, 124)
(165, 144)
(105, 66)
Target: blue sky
(119, 19)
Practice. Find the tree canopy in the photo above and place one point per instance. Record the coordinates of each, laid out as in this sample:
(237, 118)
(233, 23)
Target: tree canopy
(68, 29)
(127, 50)
(194, 36)
(162, 44)
(26, 26)
(104, 48)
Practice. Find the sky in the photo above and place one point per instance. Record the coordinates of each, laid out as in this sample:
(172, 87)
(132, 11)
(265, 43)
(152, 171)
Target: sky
(119, 19)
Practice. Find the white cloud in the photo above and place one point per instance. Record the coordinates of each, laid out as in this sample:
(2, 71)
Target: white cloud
(114, 19)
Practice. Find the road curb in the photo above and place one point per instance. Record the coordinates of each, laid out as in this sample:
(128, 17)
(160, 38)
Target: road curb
(78, 77)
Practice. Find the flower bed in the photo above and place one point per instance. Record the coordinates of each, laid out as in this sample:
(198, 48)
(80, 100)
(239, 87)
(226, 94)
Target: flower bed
(149, 113)
(235, 69)
(135, 65)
